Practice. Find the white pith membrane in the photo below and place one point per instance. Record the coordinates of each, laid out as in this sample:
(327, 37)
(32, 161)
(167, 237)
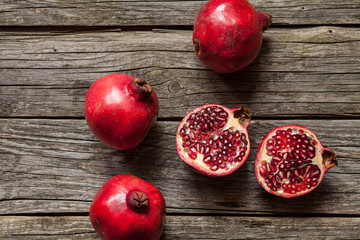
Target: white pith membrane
(297, 165)
(231, 139)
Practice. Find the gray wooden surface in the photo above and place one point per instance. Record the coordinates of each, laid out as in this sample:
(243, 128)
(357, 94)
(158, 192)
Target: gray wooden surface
(59, 165)
(193, 227)
(299, 72)
(51, 166)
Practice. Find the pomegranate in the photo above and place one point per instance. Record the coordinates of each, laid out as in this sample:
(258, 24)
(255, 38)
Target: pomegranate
(120, 110)
(228, 34)
(213, 139)
(128, 208)
(291, 161)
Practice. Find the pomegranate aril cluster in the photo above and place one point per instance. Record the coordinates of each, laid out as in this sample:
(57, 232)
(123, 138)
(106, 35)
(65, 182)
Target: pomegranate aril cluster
(290, 168)
(203, 133)
(206, 120)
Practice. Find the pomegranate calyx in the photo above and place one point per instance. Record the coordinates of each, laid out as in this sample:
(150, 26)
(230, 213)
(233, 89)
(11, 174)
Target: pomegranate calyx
(243, 115)
(265, 20)
(138, 200)
(329, 158)
(196, 43)
(142, 86)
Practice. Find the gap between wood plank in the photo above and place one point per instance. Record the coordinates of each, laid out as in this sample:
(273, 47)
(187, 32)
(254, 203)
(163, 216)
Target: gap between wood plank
(280, 215)
(179, 119)
(138, 28)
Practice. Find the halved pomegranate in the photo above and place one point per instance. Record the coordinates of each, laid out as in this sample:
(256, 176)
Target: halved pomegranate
(291, 161)
(213, 139)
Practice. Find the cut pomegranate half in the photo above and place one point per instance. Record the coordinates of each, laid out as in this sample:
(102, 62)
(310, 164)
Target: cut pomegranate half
(291, 161)
(213, 139)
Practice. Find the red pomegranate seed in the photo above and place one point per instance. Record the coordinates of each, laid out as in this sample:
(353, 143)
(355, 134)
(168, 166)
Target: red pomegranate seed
(214, 167)
(192, 155)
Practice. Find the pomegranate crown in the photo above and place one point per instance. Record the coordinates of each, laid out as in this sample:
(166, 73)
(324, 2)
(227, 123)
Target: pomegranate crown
(243, 115)
(142, 86)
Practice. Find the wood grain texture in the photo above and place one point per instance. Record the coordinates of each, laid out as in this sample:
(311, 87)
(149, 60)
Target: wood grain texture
(165, 12)
(57, 166)
(303, 72)
(190, 227)
(71, 227)
(51, 166)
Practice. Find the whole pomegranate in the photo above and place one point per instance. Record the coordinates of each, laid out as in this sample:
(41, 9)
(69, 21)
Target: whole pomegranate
(291, 161)
(120, 110)
(213, 139)
(228, 34)
(128, 208)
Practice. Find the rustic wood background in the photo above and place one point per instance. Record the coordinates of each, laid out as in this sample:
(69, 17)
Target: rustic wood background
(51, 51)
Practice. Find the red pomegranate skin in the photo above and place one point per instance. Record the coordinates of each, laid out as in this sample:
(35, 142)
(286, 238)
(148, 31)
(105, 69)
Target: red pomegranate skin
(228, 34)
(118, 113)
(113, 218)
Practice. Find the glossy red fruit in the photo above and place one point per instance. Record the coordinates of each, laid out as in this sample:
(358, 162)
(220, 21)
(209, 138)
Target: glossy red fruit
(213, 139)
(228, 34)
(120, 110)
(291, 161)
(128, 208)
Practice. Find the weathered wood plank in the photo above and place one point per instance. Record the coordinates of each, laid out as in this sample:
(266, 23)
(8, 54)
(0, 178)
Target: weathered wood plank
(302, 72)
(165, 12)
(190, 227)
(72, 227)
(57, 166)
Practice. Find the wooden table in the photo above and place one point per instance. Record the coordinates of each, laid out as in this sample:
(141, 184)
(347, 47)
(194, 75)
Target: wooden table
(307, 73)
